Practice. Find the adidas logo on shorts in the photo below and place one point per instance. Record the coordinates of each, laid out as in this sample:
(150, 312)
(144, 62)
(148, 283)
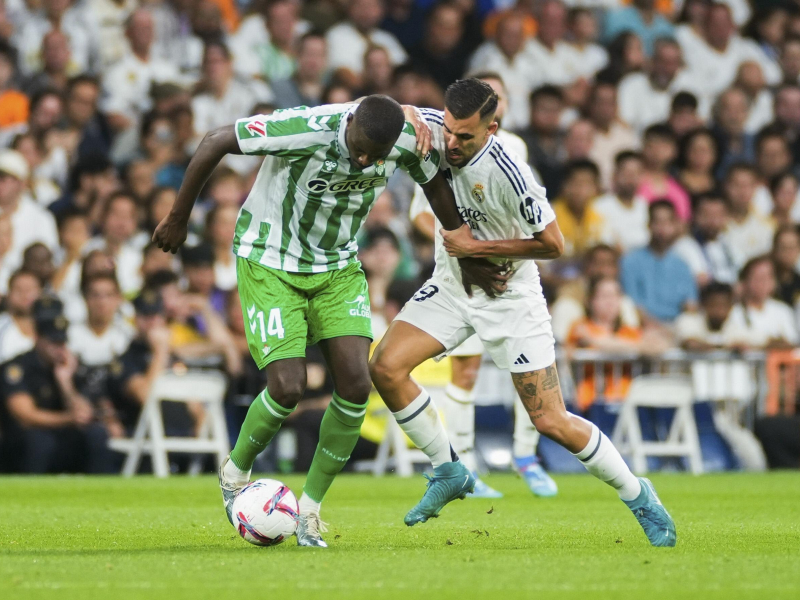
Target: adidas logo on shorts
(522, 360)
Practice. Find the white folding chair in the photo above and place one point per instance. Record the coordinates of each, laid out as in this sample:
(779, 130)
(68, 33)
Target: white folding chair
(207, 388)
(659, 391)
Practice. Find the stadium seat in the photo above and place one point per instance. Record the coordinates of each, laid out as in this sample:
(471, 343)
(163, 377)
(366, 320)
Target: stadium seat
(205, 387)
(681, 438)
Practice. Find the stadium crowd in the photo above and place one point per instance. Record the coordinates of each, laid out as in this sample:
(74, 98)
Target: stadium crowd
(666, 133)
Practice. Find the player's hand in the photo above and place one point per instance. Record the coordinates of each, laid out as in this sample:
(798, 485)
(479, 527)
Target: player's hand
(459, 243)
(421, 128)
(492, 278)
(171, 233)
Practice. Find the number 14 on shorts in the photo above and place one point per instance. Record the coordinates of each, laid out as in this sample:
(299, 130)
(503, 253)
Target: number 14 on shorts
(274, 324)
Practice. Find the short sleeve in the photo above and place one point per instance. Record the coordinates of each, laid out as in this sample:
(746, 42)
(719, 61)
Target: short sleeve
(529, 199)
(421, 168)
(14, 379)
(294, 131)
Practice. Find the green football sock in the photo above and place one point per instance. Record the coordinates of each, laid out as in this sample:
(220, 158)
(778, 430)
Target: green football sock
(264, 419)
(338, 434)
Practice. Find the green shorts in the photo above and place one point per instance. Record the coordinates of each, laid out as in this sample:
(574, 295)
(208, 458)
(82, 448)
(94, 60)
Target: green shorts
(285, 312)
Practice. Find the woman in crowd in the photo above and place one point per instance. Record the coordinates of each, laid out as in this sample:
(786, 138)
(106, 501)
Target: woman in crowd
(697, 159)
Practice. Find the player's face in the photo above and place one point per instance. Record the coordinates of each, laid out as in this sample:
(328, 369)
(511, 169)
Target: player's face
(363, 151)
(464, 137)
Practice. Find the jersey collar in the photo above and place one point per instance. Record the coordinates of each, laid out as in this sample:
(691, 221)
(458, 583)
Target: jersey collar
(341, 130)
(482, 151)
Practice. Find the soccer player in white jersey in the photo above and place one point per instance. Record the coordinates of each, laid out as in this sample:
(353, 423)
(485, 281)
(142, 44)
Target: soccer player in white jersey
(458, 403)
(297, 271)
(512, 223)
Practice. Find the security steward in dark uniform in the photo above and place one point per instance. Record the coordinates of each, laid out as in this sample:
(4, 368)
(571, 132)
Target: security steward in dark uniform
(48, 426)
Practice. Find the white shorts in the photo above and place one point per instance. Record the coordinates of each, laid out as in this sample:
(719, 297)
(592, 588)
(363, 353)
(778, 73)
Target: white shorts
(514, 328)
(471, 347)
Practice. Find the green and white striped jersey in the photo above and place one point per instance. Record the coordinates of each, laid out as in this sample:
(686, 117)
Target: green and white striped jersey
(308, 202)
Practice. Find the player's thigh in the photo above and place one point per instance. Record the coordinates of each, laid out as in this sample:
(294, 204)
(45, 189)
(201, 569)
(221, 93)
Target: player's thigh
(348, 360)
(274, 313)
(540, 392)
(400, 351)
(340, 307)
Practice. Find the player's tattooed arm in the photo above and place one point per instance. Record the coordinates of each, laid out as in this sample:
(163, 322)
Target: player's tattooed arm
(539, 391)
(171, 232)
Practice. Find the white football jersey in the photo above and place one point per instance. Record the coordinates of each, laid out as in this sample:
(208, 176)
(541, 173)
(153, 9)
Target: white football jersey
(496, 195)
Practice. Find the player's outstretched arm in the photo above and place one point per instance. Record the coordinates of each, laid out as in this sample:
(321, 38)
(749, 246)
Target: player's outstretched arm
(171, 232)
(548, 243)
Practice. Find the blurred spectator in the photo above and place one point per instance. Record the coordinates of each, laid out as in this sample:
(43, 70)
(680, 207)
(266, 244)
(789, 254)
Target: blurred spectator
(555, 61)
(790, 58)
(220, 95)
(118, 229)
(48, 426)
(544, 137)
(348, 41)
(82, 115)
(659, 150)
(579, 141)
(198, 267)
(159, 143)
(6, 232)
(16, 322)
(38, 259)
(154, 259)
(784, 188)
(175, 40)
(750, 79)
(64, 16)
(683, 116)
(140, 180)
(583, 29)
(277, 56)
(507, 55)
(305, 87)
(625, 56)
(110, 17)
(13, 103)
(92, 180)
(622, 210)
(708, 253)
(74, 232)
(748, 230)
(697, 159)
(611, 135)
(767, 28)
(786, 260)
(709, 328)
(55, 64)
(642, 19)
(220, 228)
(21, 210)
(730, 115)
(787, 115)
(645, 98)
(403, 18)
(511, 141)
(578, 219)
(763, 321)
(103, 336)
(41, 189)
(691, 24)
(380, 257)
(442, 53)
(657, 279)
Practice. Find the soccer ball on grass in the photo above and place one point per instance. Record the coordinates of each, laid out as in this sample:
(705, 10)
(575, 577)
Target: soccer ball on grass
(265, 512)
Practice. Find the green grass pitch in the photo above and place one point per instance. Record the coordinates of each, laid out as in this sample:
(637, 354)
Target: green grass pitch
(98, 538)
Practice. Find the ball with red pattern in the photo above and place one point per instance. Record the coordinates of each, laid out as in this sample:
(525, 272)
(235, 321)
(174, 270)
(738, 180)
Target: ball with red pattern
(265, 512)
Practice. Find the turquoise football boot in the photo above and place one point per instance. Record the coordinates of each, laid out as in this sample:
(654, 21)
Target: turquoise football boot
(450, 481)
(536, 478)
(652, 516)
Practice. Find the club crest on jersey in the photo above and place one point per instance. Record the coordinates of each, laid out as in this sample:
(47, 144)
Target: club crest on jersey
(319, 186)
(258, 128)
(329, 166)
(477, 192)
(380, 168)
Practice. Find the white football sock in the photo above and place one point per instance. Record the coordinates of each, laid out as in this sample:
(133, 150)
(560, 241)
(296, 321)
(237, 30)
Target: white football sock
(233, 474)
(420, 422)
(526, 437)
(308, 506)
(604, 461)
(458, 406)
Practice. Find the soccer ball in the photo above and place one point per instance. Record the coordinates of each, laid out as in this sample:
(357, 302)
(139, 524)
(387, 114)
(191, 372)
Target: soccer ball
(265, 512)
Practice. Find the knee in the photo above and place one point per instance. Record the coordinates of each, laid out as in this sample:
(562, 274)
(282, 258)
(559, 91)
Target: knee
(555, 427)
(386, 373)
(356, 390)
(287, 389)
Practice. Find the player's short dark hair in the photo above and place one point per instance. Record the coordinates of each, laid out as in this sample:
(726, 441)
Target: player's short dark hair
(625, 156)
(466, 97)
(684, 101)
(658, 205)
(380, 118)
(546, 91)
(716, 288)
(581, 165)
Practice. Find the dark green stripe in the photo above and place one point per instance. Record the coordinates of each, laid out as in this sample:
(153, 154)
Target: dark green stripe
(242, 224)
(411, 162)
(313, 205)
(368, 198)
(296, 169)
(260, 244)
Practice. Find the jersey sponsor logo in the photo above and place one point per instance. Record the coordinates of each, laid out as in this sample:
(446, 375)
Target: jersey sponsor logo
(319, 186)
(531, 211)
(361, 308)
(477, 192)
(426, 292)
(472, 216)
(258, 128)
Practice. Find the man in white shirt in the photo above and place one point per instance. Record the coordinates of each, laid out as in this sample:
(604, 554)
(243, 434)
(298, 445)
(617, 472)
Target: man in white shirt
(555, 61)
(611, 135)
(748, 230)
(17, 333)
(110, 17)
(710, 328)
(624, 214)
(645, 99)
(348, 41)
(30, 223)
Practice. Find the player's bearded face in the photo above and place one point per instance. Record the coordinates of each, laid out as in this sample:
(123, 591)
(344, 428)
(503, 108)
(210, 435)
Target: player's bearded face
(465, 137)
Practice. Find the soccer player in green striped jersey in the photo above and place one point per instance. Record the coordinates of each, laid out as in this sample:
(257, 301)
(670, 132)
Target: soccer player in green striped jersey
(298, 275)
